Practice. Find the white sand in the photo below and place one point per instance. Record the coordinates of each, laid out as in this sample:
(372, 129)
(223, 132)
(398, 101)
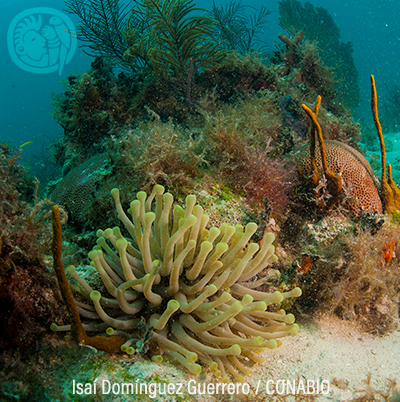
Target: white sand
(335, 350)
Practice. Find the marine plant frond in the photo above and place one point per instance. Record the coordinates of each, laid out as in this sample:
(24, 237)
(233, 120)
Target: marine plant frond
(257, 23)
(231, 21)
(138, 38)
(182, 39)
(102, 27)
(237, 30)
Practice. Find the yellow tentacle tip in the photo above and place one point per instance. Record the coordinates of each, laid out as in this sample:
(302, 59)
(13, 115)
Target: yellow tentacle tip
(95, 296)
(158, 359)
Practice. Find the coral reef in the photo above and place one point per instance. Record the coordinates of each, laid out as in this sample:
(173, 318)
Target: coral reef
(353, 274)
(94, 105)
(359, 253)
(318, 25)
(163, 40)
(98, 106)
(345, 173)
(225, 131)
(219, 124)
(227, 150)
(80, 190)
(188, 285)
(181, 64)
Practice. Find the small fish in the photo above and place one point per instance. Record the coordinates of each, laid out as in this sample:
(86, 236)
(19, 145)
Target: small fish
(25, 143)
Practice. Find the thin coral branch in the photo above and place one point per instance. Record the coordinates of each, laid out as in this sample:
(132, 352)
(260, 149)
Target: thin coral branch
(102, 27)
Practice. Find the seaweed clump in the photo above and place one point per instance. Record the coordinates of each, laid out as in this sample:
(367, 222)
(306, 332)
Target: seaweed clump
(350, 269)
(236, 148)
(28, 296)
(161, 153)
(372, 289)
(93, 106)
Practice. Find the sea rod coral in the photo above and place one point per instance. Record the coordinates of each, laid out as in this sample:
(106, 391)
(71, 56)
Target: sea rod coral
(192, 288)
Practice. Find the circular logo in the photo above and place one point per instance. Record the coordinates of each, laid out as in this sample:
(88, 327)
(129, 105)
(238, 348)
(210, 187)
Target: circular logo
(41, 40)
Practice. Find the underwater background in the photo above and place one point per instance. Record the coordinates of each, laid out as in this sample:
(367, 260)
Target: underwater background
(255, 189)
(372, 27)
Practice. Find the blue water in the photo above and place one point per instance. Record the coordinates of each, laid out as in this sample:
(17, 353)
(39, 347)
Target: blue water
(372, 26)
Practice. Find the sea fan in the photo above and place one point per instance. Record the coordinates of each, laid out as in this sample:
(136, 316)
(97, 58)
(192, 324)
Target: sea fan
(237, 30)
(103, 23)
(183, 41)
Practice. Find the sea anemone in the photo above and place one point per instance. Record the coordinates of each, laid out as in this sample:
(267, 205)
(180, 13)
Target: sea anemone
(181, 290)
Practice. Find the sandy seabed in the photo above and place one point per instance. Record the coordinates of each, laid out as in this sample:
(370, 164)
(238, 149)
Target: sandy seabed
(334, 350)
(327, 350)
